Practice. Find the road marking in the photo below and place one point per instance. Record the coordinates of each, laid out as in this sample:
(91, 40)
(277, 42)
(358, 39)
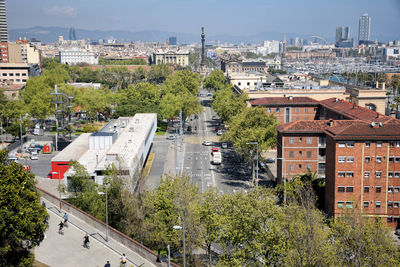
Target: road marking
(149, 163)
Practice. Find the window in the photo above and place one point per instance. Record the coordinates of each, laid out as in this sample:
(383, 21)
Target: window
(315, 109)
(397, 189)
(300, 166)
(350, 174)
(366, 189)
(269, 110)
(378, 189)
(379, 143)
(308, 166)
(341, 159)
(342, 143)
(308, 154)
(350, 159)
(23, 74)
(349, 189)
(291, 140)
(248, 83)
(390, 189)
(390, 174)
(17, 74)
(300, 139)
(341, 174)
(367, 143)
(291, 167)
(278, 110)
(300, 153)
(379, 159)
(389, 219)
(297, 110)
(378, 204)
(239, 83)
(4, 74)
(309, 140)
(291, 154)
(340, 204)
(390, 204)
(396, 204)
(397, 143)
(350, 144)
(391, 159)
(367, 159)
(366, 174)
(349, 204)
(340, 189)
(378, 174)
(397, 160)
(366, 204)
(396, 174)
(11, 74)
(306, 110)
(391, 143)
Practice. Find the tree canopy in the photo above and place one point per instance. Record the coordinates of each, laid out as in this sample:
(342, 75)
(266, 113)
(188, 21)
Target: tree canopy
(23, 220)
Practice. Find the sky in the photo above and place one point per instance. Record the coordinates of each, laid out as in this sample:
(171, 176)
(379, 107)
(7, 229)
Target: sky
(219, 17)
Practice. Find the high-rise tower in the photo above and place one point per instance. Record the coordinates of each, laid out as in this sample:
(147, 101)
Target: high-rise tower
(364, 28)
(203, 39)
(72, 33)
(3, 22)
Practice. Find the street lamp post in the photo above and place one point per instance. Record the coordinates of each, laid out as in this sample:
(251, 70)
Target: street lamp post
(255, 143)
(106, 214)
(178, 227)
(169, 255)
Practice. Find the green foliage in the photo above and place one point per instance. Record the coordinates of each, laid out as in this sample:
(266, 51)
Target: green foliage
(179, 92)
(227, 104)
(134, 61)
(251, 229)
(48, 62)
(363, 241)
(173, 202)
(251, 125)
(275, 71)
(139, 98)
(14, 130)
(23, 220)
(251, 55)
(158, 73)
(215, 81)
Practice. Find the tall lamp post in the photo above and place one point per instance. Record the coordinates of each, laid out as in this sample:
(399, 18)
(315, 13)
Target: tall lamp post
(284, 179)
(178, 227)
(255, 143)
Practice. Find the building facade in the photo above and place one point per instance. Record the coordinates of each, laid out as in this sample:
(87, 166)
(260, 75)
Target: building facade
(76, 56)
(356, 150)
(3, 22)
(15, 73)
(171, 57)
(364, 27)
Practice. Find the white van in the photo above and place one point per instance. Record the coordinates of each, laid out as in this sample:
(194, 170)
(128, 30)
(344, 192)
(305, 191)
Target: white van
(34, 155)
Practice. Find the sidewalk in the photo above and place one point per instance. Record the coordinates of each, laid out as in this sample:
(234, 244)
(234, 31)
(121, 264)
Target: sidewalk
(169, 167)
(69, 249)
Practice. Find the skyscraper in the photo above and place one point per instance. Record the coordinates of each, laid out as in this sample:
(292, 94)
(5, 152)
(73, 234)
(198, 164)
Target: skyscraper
(364, 28)
(172, 40)
(342, 33)
(3, 22)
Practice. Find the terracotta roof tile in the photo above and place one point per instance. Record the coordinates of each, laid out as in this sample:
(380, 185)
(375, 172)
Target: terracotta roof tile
(356, 112)
(274, 101)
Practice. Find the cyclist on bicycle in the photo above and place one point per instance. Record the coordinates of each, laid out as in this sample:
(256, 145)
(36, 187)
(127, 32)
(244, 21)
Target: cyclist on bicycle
(123, 260)
(61, 224)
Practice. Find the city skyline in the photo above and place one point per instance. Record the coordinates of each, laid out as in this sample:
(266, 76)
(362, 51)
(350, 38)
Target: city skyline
(218, 17)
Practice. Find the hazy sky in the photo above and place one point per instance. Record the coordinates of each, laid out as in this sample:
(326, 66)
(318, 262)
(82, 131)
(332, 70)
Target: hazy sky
(232, 17)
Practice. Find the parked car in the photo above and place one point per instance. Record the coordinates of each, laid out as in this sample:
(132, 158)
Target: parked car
(207, 143)
(171, 137)
(34, 155)
(219, 132)
(270, 160)
(209, 94)
(224, 145)
(213, 150)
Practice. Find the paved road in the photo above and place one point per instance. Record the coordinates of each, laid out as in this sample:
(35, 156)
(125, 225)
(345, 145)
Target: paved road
(68, 250)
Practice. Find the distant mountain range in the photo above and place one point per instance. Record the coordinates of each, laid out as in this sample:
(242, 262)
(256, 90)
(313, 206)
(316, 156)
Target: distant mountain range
(51, 34)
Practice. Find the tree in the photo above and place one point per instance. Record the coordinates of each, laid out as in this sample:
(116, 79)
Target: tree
(228, 104)
(363, 241)
(182, 81)
(251, 229)
(142, 97)
(215, 81)
(173, 202)
(23, 220)
(158, 73)
(252, 125)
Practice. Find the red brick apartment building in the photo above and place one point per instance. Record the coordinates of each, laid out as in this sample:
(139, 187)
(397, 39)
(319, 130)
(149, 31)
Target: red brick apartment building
(357, 150)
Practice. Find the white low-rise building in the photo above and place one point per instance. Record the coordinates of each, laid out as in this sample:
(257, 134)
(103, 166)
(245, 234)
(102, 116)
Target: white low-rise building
(76, 56)
(123, 143)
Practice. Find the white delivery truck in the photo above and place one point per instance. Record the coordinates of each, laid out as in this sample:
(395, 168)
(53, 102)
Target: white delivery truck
(217, 158)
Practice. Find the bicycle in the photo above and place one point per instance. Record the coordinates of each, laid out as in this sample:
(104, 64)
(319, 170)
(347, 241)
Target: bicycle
(86, 244)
